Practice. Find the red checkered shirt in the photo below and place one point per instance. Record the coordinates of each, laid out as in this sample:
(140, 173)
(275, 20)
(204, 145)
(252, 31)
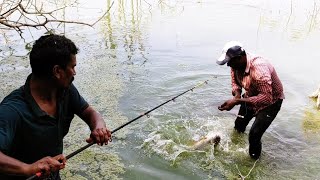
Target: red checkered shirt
(260, 81)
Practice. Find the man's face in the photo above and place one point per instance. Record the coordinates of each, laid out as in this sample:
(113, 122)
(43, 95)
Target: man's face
(235, 62)
(67, 75)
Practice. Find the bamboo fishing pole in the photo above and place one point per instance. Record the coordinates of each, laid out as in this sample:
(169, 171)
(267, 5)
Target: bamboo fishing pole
(38, 174)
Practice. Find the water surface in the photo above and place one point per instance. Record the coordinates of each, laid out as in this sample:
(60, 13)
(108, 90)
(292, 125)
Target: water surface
(145, 52)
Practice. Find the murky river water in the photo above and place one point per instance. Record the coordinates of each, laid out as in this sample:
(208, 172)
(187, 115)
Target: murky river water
(145, 52)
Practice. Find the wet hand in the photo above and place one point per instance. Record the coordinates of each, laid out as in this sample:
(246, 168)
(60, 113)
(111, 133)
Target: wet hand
(46, 165)
(100, 136)
(228, 105)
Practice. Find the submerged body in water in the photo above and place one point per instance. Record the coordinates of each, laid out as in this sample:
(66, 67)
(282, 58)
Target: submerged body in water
(210, 138)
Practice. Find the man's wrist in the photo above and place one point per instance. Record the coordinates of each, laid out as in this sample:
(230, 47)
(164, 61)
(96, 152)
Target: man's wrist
(24, 169)
(237, 97)
(237, 101)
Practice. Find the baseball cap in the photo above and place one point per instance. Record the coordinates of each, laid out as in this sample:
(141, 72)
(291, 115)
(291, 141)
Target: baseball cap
(230, 50)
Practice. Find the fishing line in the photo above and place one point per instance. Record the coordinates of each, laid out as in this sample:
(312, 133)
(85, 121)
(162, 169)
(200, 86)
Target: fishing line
(244, 177)
(38, 174)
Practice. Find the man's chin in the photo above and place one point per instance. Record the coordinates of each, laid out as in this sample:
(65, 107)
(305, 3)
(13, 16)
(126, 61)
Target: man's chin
(71, 80)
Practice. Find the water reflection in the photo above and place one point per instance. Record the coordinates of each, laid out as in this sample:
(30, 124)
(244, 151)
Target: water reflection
(124, 30)
(287, 17)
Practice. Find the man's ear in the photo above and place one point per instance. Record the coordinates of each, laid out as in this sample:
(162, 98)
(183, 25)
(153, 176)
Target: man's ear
(56, 71)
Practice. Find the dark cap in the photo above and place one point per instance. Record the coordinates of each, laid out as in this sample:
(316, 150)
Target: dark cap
(230, 50)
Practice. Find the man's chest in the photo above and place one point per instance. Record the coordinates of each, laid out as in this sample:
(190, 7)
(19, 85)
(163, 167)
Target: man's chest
(244, 80)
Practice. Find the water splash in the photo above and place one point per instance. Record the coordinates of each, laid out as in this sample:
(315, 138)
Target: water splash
(173, 139)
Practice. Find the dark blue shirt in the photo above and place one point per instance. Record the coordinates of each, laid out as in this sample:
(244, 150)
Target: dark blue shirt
(27, 133)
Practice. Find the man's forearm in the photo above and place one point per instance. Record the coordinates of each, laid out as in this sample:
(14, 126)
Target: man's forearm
(9, 165)
(93, 118)
(243, 100)
(96, 121)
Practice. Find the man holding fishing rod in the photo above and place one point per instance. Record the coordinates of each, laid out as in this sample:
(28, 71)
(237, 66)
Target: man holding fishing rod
(35, 118)
(263, 94)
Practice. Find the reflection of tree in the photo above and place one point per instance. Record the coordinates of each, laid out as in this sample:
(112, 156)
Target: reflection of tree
(111, 44)
(175, 8)
(289, 18)
(314, 17)
(125, 30)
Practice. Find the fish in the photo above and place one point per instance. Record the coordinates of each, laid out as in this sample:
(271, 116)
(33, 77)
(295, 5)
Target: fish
(211, 138)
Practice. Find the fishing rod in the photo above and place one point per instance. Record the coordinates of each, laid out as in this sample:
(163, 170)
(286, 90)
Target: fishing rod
(38, 174)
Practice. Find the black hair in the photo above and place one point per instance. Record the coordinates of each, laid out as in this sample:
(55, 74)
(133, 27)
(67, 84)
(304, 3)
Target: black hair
(48, 51)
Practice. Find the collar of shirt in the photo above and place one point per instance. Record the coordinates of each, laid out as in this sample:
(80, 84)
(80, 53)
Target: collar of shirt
(32, 102)
(249, 57)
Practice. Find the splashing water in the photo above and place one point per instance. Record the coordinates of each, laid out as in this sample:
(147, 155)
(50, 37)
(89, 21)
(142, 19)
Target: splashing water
(173, 140)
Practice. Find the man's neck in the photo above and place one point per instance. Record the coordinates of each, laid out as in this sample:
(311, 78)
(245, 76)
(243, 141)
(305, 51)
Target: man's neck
(44, 93)
(43, 88)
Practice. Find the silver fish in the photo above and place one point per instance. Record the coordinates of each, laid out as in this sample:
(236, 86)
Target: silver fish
(210, 138)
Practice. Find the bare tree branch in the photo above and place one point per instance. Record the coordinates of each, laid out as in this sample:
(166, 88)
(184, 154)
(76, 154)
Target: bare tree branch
(11, 10)
(103, 14)
(20, 14)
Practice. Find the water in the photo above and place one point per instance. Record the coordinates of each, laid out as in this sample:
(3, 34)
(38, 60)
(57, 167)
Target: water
(145, 52)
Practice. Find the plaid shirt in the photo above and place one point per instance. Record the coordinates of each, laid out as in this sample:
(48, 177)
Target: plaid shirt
(260, 81)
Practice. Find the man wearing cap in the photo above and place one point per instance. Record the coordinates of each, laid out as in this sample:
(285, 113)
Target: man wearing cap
(263, 92)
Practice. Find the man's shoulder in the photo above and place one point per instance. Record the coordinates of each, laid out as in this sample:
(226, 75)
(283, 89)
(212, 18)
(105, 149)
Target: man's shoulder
(72, 91)
(258, 60)
(14, 99)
